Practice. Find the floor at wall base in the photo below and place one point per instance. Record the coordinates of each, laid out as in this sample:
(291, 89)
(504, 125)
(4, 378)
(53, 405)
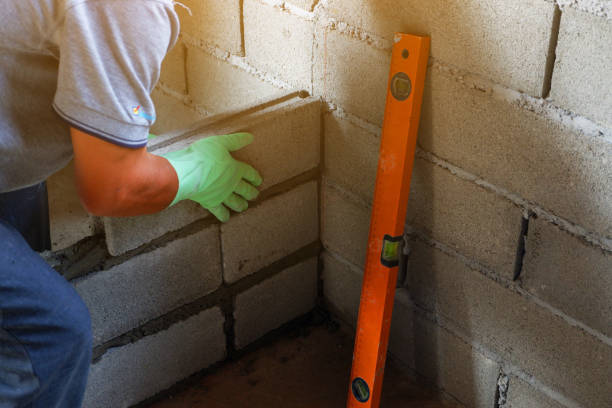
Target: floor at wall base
(304, 368)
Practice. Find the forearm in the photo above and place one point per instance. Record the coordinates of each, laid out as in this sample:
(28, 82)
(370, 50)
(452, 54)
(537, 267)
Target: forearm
(132, 182)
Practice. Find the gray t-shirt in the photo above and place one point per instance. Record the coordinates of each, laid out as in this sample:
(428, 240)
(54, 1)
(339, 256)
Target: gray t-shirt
(89, 64)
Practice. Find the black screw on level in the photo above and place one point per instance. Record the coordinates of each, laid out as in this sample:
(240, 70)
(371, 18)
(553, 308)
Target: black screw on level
(405, 54)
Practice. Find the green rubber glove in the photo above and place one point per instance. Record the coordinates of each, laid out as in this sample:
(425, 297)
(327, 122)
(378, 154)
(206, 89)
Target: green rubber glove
(210, 176)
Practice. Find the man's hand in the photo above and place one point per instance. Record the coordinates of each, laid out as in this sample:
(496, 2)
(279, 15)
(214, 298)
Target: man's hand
(209, 175)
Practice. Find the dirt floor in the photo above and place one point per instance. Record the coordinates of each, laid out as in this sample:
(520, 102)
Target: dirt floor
(305, 368)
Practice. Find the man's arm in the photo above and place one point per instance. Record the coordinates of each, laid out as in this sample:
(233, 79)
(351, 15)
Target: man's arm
(119, 181)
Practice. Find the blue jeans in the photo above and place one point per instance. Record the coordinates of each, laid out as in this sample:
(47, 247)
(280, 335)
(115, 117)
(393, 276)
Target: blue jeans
(45, 331)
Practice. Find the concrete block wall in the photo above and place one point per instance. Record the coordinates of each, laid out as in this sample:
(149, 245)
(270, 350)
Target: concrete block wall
(507, 300)
(176, 292)
(510, 203)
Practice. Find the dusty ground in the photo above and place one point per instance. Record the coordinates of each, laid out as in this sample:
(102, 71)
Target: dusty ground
(306, 368)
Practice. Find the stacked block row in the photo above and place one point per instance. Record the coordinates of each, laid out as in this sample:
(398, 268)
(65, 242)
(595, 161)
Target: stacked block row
(176, 292)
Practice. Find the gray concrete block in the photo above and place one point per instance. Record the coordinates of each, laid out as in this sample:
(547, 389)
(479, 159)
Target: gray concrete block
(129, 374)
(68, 220)
(151, 284)
(402, 335)
(455, 366)
(213, 22)
(525, 334)
(345, 225)
(276, 301)
(217, 86)
(478, 223)
(269, 232)
(173, 69)
(523, 395)
(351, 155)
(565, 172)
(172, 114)
(126, 233)
(571, 275)
(582, 78)
(352, 74)
(342, 286)
(507, 42)
(279, 43)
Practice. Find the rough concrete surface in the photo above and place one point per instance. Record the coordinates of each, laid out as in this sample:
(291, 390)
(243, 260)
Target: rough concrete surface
(521, 151)
(217, 86)
(478, 223)
(126, 233)
(172, 114)
(173, 69)
(523, 395)
(269, 232)
(345, 224)
(279, 299)
(291, 130)
(505, 41)
(351, 155)
(402, 335)
(351, 73)
(213, 22)
(582, 80)
(571, 275)
(136, 371)
(523, 333)
(151, 284)
(279, 43)
(342, 286)
(454, 365)
(68, 220)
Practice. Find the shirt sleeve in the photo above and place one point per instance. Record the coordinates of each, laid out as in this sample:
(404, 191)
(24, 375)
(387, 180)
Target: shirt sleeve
(110, 58)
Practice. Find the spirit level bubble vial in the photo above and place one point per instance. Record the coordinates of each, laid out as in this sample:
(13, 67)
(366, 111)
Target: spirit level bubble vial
(399, 134)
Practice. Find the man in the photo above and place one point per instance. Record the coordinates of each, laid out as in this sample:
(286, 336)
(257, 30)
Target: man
(75, 78)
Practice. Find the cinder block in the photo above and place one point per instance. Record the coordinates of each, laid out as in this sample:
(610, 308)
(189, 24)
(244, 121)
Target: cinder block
(478, 223)
(342, 286)
(172, 114)
(564, 171)
(345, 225)
(582, 87)
(218, 86)
(287, 140)
(173, 69)
(270, 231)
(455, 366)
(351, 155)
(401, 338)
(523, 395)
(307, 5)
(279, 43)
(571, 275)
(565, 358)
(126, 233)
(151, 284)
(290, 130)
(270, 304)
(214, 22)
(129, 374)
(507, 42)
(352, 74)
(69, 222)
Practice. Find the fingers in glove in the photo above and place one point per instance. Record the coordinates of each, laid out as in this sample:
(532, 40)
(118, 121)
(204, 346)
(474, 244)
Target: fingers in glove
(236, 203)
(246, 190)
(220, 212)
(235, 141)
(251, 175)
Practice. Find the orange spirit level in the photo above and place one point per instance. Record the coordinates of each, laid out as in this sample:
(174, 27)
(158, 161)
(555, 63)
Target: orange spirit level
(399, 135)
